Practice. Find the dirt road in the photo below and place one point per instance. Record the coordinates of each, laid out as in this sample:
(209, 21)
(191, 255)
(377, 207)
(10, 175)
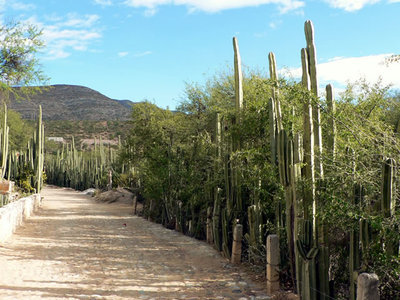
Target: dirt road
(75, 248)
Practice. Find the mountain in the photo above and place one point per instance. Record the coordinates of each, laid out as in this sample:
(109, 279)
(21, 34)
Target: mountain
(72, 103)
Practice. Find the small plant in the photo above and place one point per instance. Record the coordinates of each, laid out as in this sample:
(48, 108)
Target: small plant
(24, 180)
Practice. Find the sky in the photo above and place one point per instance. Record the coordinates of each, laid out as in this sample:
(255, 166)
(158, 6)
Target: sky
(149, 49)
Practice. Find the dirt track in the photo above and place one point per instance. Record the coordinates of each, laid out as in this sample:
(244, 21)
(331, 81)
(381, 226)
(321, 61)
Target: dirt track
(75, 248)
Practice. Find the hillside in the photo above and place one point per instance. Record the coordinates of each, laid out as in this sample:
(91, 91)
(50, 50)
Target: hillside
(83, 130)
(72, 103)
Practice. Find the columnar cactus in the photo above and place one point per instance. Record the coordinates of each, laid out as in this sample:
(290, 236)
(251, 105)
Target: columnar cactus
(236, 184)
(308, 140)
(313, 170)
(312, 70)
(272, 131)
(238, 77)
(286, 162)
(4, 143)
(388, 201)
(355, 238)
(331, 110)
(217, 198)
(388, 192)
(38, 169)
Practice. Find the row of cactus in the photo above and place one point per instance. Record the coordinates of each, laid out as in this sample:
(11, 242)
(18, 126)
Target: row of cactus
(81, 170)
(25, 166)
(304, 168)
(306, 234)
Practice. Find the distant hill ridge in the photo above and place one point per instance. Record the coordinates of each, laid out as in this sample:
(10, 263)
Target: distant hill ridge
(73, 103)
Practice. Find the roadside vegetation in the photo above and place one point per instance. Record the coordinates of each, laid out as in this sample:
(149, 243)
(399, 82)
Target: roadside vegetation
(214, 162)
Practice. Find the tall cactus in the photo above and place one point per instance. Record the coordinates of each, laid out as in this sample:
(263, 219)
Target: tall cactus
(388, 201)
(38, 158)
(236, 185)
(286, 163)
(217, 198)
(331, 110)
(4, 142)
(355, 237)
(313, 169)
(238, 77)
(388, 193)
(308, 141)
(312, 70)
(272, 131)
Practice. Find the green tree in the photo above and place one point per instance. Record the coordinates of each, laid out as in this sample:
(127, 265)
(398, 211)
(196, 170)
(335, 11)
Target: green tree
(19, 66)
(20, 131)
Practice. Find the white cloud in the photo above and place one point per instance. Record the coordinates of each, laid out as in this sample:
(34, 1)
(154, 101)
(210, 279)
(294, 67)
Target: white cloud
(151, 11)
(260, 35)
(15, 5)
(213, 6)
(352, 5)
(103, 2)
(140, 54)
(274, 24)
(341, 70)
(74, 20)
(57, 54)
(123, 54)
(52, 33)
(67, 34)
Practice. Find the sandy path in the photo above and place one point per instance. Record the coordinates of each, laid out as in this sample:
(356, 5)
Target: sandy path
(75, 248)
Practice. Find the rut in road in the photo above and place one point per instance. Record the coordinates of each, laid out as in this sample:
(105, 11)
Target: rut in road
(75, 248)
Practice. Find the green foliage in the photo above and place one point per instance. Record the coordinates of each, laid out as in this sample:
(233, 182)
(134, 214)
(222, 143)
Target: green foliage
(24, 179)
(19, 44)
(176, 168)
(20, 131)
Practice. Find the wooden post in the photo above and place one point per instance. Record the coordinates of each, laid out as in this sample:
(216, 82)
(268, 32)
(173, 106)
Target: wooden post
(273, 259)
(110, 180)
(149, 218)
(135, 204)
(237, 244)
(367, 287)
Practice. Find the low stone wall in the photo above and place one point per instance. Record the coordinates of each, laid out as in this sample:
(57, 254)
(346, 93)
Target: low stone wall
(13, 214)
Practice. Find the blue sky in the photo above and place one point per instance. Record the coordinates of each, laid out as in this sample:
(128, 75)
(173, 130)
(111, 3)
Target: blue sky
(148, 49)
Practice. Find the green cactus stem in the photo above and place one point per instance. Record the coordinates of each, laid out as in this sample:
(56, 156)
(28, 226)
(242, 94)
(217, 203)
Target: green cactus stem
(331, 110)
(312, 71)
